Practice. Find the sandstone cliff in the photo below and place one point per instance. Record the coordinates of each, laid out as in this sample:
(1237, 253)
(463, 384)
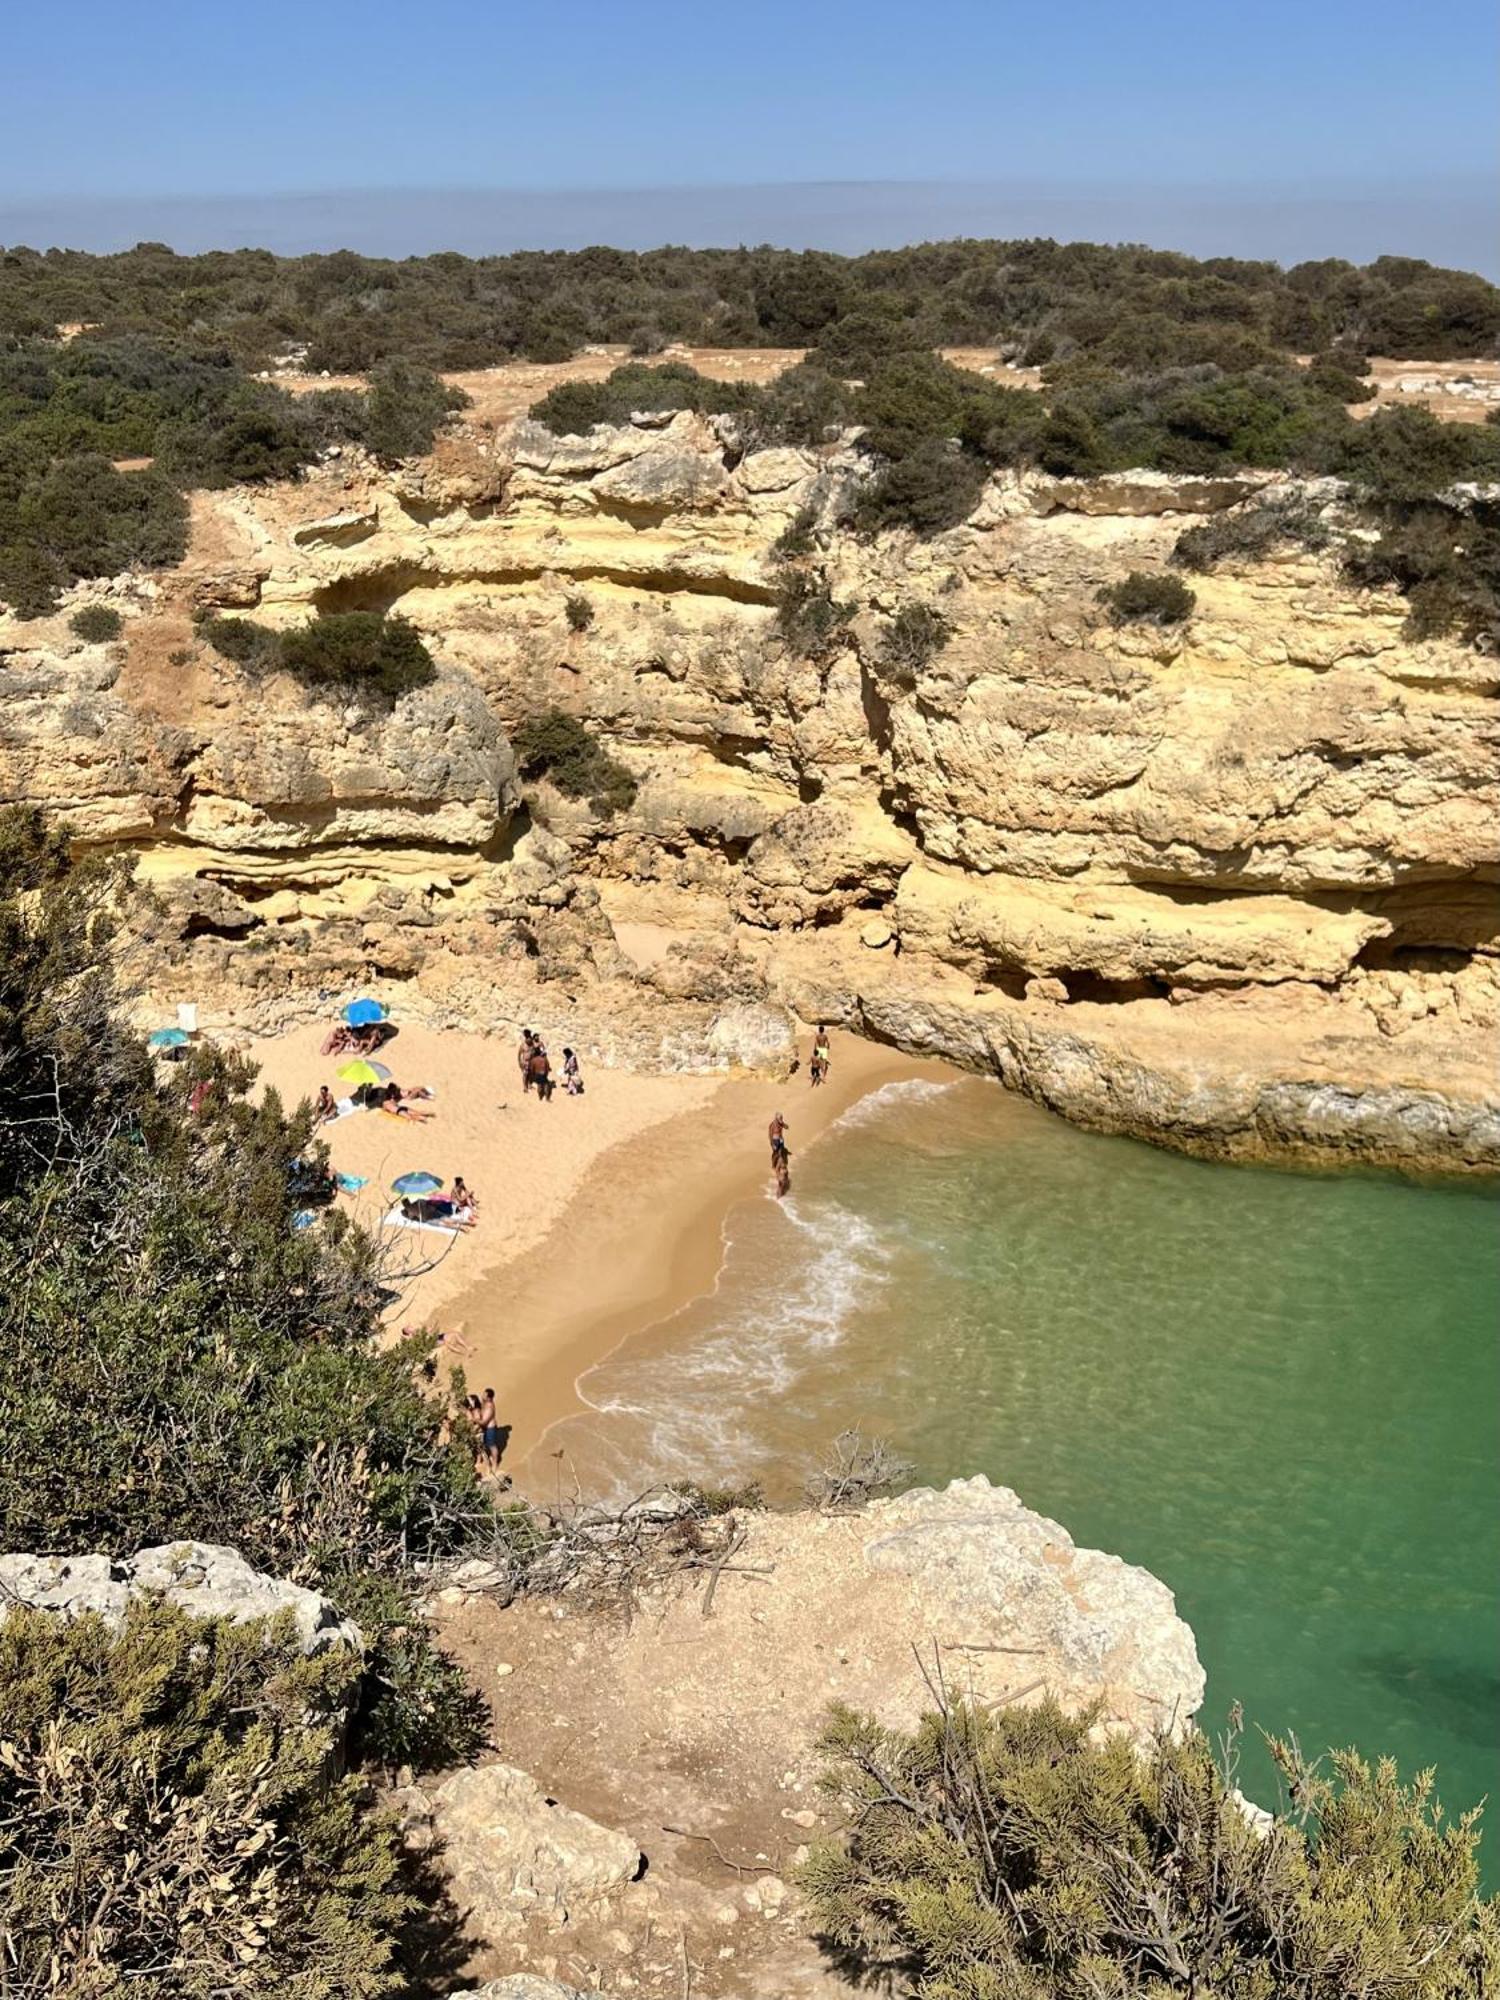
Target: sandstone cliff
(661, 1771)
(1232, 885)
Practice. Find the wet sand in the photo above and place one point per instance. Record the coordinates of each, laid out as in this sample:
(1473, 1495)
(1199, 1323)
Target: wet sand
(642, 1237)
(599, 1216)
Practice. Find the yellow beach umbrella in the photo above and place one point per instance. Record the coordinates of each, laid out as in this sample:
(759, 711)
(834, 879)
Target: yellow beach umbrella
(364, 1072)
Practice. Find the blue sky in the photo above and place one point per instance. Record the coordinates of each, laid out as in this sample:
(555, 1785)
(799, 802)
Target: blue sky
(1158, 102)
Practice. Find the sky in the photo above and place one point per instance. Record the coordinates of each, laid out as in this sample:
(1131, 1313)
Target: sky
(491, 124)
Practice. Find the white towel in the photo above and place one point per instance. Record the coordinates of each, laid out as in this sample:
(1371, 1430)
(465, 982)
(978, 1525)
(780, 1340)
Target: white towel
(396, 1220)
(343, 1107)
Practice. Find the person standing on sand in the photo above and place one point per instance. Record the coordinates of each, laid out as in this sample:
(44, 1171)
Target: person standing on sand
(489, 1432)
(783, 1174)
(572, 1075)
(539, 1069)
(776, 1133)
(523, 1057)
(822, 1054)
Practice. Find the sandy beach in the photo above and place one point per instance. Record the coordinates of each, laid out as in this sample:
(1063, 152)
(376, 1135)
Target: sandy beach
(524, 1160)
(599, 1216)
(642, 1236)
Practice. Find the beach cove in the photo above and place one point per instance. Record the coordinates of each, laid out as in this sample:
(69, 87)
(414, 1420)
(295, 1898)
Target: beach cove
(1274, 1390)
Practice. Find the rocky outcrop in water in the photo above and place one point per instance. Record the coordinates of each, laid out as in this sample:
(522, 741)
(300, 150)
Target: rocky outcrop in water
(1231, 884)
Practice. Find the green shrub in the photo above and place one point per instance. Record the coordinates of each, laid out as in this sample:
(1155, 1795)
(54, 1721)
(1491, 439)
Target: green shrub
(361, 653)
(405, 408)
(930, 487)
(358, 652)
(148, 1254)
(1249, 534)
(796, 539)
(1404, 456)
(1007, 1855)
(574, 407)
(256, 648)
(1144, 599)
(171, 1818)
(96, 624)
(1447, 563)
(556, 746)
(578, 611)
(913, 638)
(31, 580)
(810, 620)
(78, 517)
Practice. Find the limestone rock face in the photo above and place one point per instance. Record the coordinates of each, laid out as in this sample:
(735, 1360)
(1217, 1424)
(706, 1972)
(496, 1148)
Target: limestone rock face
(974, 1557)
(1122, 934)
(1284, 802)
(201, 1578)
(436, 768)
(510, 1852)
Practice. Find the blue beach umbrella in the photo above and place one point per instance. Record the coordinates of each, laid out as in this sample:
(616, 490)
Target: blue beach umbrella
(168, 1038)
(364, 1013)
(416, 1184)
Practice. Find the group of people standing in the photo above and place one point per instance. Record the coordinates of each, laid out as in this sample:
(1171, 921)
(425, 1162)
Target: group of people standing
(535, 1066)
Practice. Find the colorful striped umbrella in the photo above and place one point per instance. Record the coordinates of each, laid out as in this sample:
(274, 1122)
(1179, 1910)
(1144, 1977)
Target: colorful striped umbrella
(417, 1183)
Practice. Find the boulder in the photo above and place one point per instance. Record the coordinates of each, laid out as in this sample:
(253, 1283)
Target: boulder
(663, 481)
(203, 1579)
(752, 1035)
(510, 1852)
(776, 469)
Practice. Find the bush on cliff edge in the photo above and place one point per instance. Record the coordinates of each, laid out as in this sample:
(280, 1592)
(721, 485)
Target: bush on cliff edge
(172, 1820)
(181, 1362)
(1008, 1855)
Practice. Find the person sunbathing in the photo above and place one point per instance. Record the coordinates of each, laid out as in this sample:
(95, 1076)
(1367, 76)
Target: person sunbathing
(394, 1102)
(425, 1209)
(325, 1107)
(465, 1201)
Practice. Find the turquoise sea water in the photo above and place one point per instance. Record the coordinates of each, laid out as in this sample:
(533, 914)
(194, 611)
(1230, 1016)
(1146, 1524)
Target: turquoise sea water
(1279, 1392)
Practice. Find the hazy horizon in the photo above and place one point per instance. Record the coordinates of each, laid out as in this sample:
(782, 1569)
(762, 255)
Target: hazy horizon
(1453, 221)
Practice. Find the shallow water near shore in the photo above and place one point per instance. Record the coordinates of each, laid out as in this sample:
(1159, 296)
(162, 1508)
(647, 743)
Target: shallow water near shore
(1279, 1392)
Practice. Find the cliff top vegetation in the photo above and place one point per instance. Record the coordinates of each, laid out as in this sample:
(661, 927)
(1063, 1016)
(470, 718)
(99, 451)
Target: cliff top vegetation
(1042, 300)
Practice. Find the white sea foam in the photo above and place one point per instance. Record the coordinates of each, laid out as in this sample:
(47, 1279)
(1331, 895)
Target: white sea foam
(890, 1097)
(697, 1403)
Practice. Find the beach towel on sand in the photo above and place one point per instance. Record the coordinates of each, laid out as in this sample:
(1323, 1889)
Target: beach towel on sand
(396, 1220)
